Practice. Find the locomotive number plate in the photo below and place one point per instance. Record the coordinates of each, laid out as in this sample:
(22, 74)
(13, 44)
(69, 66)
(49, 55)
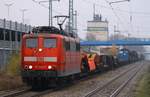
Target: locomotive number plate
(39, 66)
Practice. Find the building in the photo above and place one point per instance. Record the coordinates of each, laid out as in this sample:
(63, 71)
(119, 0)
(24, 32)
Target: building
(97, 29)
(10, 37)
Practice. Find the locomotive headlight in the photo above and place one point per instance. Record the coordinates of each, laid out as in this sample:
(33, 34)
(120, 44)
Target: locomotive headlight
(49, 67)
(40, 49)
(30, 67)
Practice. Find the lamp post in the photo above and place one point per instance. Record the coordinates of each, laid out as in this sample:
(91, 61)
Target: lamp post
(23, 11)
(50, 13)
(75, 21)
(8, 9)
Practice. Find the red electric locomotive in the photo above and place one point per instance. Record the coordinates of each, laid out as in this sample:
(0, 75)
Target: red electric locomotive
(49, 54)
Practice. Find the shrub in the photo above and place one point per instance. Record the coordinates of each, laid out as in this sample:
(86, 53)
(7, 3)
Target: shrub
(13, 66)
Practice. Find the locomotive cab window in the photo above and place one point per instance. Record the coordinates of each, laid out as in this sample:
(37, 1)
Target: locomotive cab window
(50, 43)
(31, 43)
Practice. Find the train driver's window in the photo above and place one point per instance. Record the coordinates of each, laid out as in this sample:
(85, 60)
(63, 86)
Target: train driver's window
(31, 42)
(50, 43)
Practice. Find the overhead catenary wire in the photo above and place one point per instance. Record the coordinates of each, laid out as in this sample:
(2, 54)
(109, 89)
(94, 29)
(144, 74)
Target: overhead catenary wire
(118, 19)
(120, 10)
(110, 8)
(44, 6)
(122, 23)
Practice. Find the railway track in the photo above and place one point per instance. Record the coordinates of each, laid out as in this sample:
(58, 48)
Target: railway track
(123, 85)
(113, 87)
(35, 93)
(12, 93)
(26, 93)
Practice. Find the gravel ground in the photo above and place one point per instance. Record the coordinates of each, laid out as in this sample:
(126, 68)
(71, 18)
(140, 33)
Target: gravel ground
(108, 90)
(82, 87)
(8, 82)
(129, 90)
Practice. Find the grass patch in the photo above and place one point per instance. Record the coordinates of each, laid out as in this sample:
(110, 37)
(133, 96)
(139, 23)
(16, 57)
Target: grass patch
(13, 66)
(10, 78)
(143, 88)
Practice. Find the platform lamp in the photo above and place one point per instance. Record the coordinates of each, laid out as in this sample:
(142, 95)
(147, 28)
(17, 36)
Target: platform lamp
(23, 11)
(8, 9)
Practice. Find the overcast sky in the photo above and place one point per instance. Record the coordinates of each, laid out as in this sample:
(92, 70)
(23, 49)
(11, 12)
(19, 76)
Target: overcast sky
(38, 15)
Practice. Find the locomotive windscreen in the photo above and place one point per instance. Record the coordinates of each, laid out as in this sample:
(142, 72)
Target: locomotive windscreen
(31, 42)
(49, 43)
